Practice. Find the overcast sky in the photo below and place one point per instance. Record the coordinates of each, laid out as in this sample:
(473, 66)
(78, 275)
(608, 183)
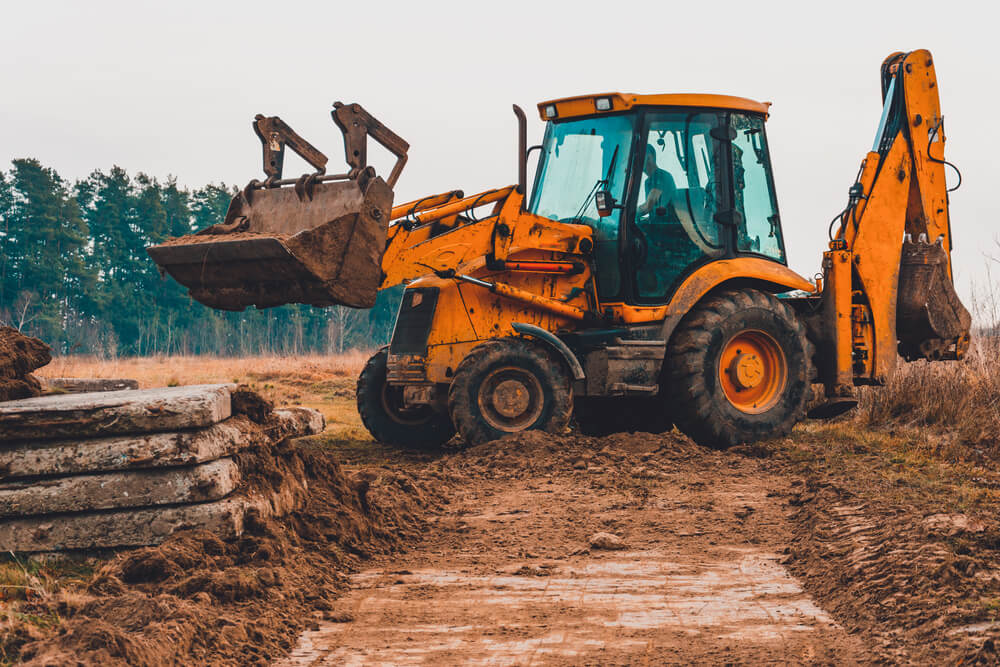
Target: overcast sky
(171, 88)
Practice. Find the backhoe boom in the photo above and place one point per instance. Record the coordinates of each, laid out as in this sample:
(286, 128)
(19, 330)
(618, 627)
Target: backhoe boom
(887, 276)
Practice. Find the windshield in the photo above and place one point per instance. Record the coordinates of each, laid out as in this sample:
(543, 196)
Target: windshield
(580, 157)
(576, 158)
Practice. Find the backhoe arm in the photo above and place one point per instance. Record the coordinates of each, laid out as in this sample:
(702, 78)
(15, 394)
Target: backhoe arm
(888, 280)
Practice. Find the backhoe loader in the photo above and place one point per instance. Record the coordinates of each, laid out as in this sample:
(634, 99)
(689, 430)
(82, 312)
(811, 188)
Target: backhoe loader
(641, 284)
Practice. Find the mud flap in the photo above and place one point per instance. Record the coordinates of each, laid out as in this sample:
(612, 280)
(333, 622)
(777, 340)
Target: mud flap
(931, 321)
(319, 245)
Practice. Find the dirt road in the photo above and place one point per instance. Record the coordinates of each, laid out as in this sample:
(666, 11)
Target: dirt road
(507, 573)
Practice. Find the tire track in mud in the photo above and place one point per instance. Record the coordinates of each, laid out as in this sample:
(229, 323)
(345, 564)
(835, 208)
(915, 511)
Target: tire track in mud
(507, 576)
(921, 589)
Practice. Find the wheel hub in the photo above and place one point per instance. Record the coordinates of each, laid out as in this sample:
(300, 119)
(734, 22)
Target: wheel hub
(753, 371)
(747, 370)
(511, 398)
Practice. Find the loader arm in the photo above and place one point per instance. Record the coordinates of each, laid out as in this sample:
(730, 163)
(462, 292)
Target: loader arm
(440, 235)
(887, 277)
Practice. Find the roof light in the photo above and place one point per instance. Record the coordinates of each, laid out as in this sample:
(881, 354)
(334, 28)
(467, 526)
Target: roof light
(550, 111)
(603, 103)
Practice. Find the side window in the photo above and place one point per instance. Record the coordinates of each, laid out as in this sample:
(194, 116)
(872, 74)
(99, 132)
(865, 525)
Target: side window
(675, 223)
(753, 190)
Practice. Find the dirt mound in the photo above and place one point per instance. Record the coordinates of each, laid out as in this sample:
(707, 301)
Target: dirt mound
(927, 588)
(196, 599)
(534, 452)
(247, 402)
(259, 410)
(19, 356)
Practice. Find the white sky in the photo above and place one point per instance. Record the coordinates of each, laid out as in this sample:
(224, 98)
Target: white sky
(171, 87)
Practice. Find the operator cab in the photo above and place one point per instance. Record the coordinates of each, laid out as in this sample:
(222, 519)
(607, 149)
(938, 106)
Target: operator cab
(667, 182)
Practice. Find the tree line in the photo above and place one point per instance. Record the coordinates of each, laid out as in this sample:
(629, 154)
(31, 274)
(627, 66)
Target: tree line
(75, 273)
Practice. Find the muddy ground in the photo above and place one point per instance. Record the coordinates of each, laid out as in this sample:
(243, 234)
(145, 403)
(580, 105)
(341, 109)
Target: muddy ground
(758, 555)
(831, 547)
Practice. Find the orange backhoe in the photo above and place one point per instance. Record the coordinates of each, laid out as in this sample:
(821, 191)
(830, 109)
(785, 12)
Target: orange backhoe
(642, 283)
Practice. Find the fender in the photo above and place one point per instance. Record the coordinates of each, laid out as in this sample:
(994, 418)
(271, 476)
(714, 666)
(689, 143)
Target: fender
(764, 274)
(550, 340)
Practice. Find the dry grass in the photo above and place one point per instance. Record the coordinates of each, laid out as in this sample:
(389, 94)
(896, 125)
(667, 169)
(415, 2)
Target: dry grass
(959, 401)
(163, 371)
(24, 582)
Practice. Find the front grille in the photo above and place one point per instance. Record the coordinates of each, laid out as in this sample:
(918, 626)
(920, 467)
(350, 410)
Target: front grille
(413, 322)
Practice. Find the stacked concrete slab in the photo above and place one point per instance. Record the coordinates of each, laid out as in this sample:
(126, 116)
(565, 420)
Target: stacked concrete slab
(128, 468)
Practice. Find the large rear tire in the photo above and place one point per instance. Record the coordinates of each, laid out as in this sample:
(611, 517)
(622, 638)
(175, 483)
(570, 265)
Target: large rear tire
(506, 386)
(384, 415)
(739, 369)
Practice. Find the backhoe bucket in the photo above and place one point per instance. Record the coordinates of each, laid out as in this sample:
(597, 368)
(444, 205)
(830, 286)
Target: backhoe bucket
(288, 245)
(317, 240)
(931, 321)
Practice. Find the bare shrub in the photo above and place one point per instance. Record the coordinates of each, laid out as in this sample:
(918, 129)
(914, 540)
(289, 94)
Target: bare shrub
(962, 397)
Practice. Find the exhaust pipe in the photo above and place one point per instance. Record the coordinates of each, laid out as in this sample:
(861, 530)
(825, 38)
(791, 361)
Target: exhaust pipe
(522, 153)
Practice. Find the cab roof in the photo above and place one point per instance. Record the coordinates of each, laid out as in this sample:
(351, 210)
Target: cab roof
(587, 105)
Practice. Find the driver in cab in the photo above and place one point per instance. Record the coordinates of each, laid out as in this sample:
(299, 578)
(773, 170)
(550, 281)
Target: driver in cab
(659, 187)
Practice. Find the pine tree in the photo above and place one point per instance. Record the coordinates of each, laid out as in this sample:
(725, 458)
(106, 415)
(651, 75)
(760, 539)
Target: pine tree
(7, 246)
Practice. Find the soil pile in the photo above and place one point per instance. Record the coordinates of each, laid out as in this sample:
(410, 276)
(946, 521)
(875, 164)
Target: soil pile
(259, 410)
(198, 600)
(19, 356)
(534, 453)
(927, 588)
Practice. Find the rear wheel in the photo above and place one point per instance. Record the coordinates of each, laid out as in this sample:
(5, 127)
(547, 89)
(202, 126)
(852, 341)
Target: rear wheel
(506, 386)
(389, 420)
(739, 369)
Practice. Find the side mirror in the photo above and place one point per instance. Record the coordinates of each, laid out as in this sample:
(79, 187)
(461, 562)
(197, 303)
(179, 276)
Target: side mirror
(605, 203)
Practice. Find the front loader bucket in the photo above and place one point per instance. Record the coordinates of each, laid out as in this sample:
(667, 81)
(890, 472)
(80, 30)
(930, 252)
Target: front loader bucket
(316, 240)
(318, 243)
(931, 322)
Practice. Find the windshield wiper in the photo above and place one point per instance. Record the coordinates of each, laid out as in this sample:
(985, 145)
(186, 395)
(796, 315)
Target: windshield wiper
(601, 181)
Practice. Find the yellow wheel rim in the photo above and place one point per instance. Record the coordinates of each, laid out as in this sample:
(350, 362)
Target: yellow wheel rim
(752, 371)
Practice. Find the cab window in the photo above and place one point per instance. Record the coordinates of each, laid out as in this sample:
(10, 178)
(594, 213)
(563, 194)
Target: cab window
(758, 230)
(675, 227)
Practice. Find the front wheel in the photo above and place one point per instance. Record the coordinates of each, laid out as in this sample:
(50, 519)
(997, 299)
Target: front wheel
(739, 369)
(388, 419)
(506, 386)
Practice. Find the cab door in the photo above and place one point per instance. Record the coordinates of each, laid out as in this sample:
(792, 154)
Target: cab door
(683, 184)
